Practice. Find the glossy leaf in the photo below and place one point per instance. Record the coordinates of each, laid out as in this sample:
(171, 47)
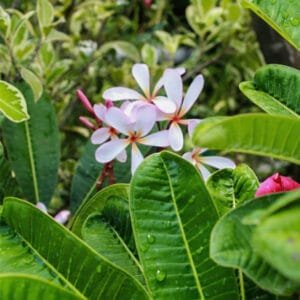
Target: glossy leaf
(230, 246)
(48, 246)
(12, 103)
(229, 188)
(103, 222)
(172, 217)
(277, 239)
(25, 287)
(282, 15)
(266, 135)
(34, 149)
(275, 89)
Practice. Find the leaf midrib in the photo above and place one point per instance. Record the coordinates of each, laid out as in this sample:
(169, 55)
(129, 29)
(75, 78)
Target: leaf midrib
(32, 161)
(190, 257)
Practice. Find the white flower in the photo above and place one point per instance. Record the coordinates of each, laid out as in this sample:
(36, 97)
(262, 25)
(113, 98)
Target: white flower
(136, 130)
(174, 89)
(200, 161)
(142, 76)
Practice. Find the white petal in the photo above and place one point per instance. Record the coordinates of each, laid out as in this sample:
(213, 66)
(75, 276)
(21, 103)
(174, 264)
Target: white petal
(63, 216)
(158, 139)
(192, 123)
(173, 86)
(121, 93)
(136, 158)
(100, 111)
(141, 74)
(132, 110)
(117, 119)
(122, 157)
(164, 104)
(175, 137)
(192, 94)
(189, 157)
(42, 207)
(218, 162)
(204, 172)
(145, 119)
(108, 151)
(100, 136)
(160, 82)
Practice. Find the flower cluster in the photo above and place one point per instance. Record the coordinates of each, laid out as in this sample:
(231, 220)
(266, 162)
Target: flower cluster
(152, 117)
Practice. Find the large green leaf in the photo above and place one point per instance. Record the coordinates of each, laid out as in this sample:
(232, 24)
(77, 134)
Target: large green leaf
(34, 149)
(36, 244)
(282, 15)
(277, 239)
(12, 103)
(87, 173)
(172, 217)
(275, 89)
(28, 287)
(229, 188)
(266, 135)
(103, 222)
(231, 246)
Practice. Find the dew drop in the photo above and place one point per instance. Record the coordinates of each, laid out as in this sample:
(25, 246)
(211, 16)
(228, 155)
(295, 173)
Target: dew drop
(160, 275)
(295, 21)
(150, 238)
(144, 248)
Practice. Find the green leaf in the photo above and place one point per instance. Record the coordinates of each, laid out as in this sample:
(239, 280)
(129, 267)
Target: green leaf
(277, 240)
(4, 22)
(28, 287)
(34, 149)
(104, 223)
(34, 82)
(40, 246)
(122, 48)
(275, 89)
(260, 134)
(45, 12)
(230, 246)
(229, 188)
(282, 15)
(172, 216)
(149, 55)
(12, 103)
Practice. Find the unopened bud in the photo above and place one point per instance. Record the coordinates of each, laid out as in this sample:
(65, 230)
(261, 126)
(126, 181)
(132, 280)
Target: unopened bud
(87, 123)
(85, 101)
(62, 217)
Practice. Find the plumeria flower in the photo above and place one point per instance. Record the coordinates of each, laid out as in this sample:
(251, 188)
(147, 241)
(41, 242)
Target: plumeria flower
(141, 74)
(135, 132)
(218, 162)
(103, 134)
(276, 183)
(174, 89)
(62, 217)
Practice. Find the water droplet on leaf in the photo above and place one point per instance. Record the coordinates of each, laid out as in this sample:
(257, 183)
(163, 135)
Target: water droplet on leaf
(150, 238)
(160, 275)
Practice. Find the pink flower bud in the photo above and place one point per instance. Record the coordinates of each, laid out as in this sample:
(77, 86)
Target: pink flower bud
(276, 183)
(86, 122)
(85, 101)
(62, 217)
(148, 3)
(109, 103)
(41, 206)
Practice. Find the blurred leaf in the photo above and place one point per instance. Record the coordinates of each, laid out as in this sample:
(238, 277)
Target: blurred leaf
(229, 188)
(122, 48)
(282, 15)
(149, 55)
(4, 22)
(34, 82)
(12, 103)
(230, 246)
(34, 149)
(260, 134)
(45, 12)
